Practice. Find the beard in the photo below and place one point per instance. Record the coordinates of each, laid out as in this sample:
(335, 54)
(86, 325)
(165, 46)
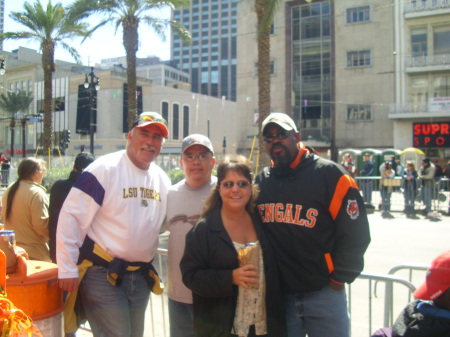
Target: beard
(281, 159)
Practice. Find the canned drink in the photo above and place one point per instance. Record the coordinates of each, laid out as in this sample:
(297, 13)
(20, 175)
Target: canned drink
(8, 236)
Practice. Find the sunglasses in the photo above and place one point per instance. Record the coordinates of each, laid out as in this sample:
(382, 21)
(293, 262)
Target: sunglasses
(280, 136)
(241, 184)
(149, 117)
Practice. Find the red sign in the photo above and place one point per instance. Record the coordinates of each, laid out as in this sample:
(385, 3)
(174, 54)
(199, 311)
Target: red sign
(431, 134)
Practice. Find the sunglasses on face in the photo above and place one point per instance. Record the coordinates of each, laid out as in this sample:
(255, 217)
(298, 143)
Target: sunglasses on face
(201, 157)
(280, 136)
(241, 184)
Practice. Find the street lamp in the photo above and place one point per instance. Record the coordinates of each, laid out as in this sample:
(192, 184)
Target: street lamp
(92, 87)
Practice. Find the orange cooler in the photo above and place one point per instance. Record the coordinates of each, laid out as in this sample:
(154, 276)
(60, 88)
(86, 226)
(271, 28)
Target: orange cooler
(34, 289)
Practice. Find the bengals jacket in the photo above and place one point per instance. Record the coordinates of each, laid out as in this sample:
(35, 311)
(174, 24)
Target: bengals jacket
(316, 221)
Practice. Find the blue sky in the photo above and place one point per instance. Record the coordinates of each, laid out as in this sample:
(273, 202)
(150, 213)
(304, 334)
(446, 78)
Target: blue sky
(103, 43)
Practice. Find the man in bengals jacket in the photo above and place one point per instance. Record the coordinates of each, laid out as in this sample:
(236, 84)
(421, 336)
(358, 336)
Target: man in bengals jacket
(316, 221)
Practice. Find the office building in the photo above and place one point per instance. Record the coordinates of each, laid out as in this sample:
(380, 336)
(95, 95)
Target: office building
(210, 60)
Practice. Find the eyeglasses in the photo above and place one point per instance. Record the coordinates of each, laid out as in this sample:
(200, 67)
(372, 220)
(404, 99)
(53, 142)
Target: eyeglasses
(201, 157)
(241, 184)
(280, 135)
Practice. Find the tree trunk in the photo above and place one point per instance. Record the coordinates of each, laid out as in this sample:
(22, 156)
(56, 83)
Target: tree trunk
(130, 42)
(264, 100)
(48, 65)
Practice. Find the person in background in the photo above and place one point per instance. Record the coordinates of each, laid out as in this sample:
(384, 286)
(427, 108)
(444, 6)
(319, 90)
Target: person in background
(59, 192)
(348, 164)
(399, 169)
(315, 219)
(228, 263)
(108, 233)
(5, 167)
(184, 205)
(426, 175)
(410, 188)
(25, 209)
(387, 174)
(393, 162)
(367, 184)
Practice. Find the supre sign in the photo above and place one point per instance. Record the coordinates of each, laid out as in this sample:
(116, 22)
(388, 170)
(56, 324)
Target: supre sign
(431, 134)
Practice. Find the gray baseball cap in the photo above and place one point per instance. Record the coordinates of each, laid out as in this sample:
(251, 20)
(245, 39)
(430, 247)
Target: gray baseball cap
(196, 139)
(281, 119)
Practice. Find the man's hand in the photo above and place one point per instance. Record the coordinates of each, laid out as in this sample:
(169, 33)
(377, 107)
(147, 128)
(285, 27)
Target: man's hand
(68, 284)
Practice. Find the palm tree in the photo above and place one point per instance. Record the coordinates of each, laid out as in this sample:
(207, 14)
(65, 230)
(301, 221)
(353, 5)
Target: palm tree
(265, 12)
(13, 103)
(129, 14)
(49, 26)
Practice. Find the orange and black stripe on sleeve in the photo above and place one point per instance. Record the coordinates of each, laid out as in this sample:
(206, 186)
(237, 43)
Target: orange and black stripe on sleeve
(344, 184)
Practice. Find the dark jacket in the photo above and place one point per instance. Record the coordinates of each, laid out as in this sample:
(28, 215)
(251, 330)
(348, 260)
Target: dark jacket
(316, 221)
(207, 268)
(58, 194)
(421, 319)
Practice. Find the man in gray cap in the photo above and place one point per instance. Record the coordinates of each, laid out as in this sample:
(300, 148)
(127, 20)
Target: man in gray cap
(367, 184)
(185, 202)
(315, 218)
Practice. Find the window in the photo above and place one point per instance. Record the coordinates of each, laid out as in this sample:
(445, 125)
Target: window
(360, 58)
(419, 42)
(359, 112)
(185, 121)
(175, 121)
(441, 86)
(165, 111)
(358, 14)
(441, 40)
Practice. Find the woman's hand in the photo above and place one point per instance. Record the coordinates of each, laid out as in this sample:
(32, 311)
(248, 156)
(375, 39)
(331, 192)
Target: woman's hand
(245, 274)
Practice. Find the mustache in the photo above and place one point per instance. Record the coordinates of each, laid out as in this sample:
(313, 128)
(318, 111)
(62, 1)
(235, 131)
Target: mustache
(149, 148)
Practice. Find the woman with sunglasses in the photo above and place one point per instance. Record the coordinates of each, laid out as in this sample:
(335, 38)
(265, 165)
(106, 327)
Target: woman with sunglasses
(228, 265)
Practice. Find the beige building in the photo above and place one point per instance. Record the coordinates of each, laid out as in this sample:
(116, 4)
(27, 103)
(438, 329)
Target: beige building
(349, 73)
(186, 112)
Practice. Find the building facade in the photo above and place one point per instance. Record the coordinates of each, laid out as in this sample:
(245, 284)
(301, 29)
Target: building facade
(352, 75)
(211, 59)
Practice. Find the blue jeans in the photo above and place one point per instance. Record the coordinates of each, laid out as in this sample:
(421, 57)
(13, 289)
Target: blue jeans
(385, 199)
(427, 195)
(181, 318)
(114, 311)
(321, 313)
(367, 188)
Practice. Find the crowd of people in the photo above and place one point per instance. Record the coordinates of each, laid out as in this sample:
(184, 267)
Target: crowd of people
(250, 253)
(422, 184)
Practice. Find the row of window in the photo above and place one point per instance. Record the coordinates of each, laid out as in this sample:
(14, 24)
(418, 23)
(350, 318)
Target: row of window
(176, 118)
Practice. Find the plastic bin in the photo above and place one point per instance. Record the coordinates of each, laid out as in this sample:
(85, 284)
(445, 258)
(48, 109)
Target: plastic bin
(34, 289)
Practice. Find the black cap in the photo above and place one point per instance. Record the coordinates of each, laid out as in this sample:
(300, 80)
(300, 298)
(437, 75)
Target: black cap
(426, 160)
(83, 160)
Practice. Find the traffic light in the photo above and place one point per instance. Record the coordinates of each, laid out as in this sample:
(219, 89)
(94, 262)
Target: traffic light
(65, 139)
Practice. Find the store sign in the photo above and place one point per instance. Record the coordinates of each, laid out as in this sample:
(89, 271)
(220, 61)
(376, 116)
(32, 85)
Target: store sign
(431, 134)
(437, 104)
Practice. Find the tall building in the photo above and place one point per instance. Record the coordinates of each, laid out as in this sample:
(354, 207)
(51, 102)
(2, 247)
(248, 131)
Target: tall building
(330, 71)
(2, 20)
(211, 58)
(421, 113)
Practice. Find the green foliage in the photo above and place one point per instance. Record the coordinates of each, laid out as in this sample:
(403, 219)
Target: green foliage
(175, 175)
(55, 174)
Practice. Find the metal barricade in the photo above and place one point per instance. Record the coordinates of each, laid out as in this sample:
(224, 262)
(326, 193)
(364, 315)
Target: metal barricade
(440, 202)
(363, 321)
